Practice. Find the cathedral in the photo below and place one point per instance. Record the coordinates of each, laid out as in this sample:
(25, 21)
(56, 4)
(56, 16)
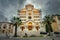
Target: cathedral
(31, 23)
(31, 20)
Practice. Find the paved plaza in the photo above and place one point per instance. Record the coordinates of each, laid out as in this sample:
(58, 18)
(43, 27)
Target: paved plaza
(30, 38)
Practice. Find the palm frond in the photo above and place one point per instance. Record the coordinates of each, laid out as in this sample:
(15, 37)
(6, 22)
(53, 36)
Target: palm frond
(16, 20)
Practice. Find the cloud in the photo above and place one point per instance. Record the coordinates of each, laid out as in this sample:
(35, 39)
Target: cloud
(8, 8)
(48, 7)
(2, 18)
(53, 7)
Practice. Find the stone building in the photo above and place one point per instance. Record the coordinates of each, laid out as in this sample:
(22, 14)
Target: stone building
(56, 24)
(31, 20)
(6, 28)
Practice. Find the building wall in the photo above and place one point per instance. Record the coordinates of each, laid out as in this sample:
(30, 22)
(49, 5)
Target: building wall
(31, 19)
(6, 28)
(56, 25)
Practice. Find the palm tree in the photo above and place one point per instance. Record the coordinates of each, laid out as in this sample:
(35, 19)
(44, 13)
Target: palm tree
(47, 21)
(16, 22)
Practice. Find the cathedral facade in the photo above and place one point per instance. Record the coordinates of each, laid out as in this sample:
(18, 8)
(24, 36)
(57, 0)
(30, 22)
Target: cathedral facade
(31, 20)
(32, 24)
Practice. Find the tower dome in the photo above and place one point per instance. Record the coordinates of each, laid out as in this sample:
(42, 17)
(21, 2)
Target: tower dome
(29, 5)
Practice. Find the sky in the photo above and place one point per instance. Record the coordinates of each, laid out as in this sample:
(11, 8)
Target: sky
(8, 8)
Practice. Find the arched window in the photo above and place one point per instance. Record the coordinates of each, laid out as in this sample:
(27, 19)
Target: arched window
(30, 26)
(37, 27)
(29, 17)
(3, 31)
(29, 13)
(9, 26)
(22, 28)
(4, 26)
(0, 27)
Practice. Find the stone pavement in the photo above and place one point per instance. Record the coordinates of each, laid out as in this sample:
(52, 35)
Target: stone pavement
(30, 38)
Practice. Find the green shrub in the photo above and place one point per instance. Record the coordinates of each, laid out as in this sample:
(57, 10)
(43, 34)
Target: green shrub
(33, 36)
(41, 36)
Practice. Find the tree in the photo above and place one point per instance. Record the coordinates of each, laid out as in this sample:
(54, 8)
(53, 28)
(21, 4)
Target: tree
(47, 21)
(16, 22)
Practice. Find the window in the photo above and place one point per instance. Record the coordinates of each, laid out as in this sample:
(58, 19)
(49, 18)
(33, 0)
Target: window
(10, 27)
(37, 27)
(23, 19)
(59, 17)
(9, 31)
(0, 27)
(36, 16)
(37, 23)
(29, 17)
(22, 16)
(35, 19)
(29, 13)
(23, 12)
(22, 28)
(9, 24)
(38, 19)
(0, 31)
(3, 31)
(4, 26)
(29, 27)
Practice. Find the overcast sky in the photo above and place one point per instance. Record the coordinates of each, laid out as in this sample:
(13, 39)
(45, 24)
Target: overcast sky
(8, 8)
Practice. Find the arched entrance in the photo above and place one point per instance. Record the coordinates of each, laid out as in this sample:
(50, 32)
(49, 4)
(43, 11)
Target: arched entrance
(37, 27)
(30, 26)
(22, 28)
